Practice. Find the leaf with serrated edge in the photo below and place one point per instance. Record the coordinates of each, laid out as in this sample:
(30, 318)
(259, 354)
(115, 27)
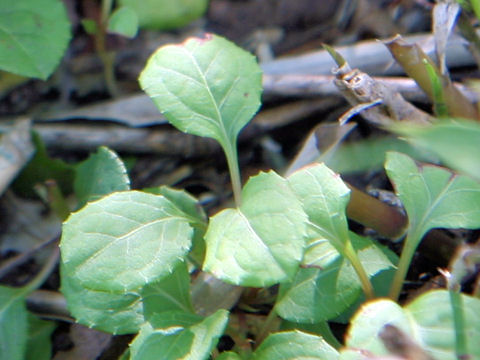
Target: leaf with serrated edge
(434, 197)
(179, 339)
(428, 320)
(101, 174)
(115, 313)
(124, 241)
(291, 345)
(261, 242)
(322, 293)
(204, 86)
(35, 34)
(324, 197)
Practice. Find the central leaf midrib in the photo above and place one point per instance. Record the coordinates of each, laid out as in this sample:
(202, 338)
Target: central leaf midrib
(205, 82)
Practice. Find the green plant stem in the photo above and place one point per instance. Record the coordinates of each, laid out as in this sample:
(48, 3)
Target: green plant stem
(456, 301)
(47, 269)
(351, 255)
(106, 57)
(408, 250)
(57, 200)
(267, 327)
(232, 160)
(106, 10)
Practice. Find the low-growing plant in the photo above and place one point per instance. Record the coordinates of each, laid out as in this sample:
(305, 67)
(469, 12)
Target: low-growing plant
(151, 262)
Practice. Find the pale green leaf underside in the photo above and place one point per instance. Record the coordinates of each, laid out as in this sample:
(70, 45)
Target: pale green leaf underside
(204, 86)
(101, 174)
(323, 293)
(262, 242)
(434, 197)
(33, 36)
(294, 345)
(428, 320)
(124, 241)
(115, 313)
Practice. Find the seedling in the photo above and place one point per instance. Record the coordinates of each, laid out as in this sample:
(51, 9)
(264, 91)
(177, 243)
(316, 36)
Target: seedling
(127, 258)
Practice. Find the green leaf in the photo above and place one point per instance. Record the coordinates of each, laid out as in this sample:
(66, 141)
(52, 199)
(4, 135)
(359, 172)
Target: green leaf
(124, 241)
(369, 154)
(169, 343)
(455, 142)
(204, 86)
(428, 320)
(13, 324)
(41, 168)
(123, 21)
(172, 293)
(39, 345)
(166, 14)
(34, 36)
(229, 355)
(90, 26)
(434, 197)
(182, 339)
(101, 174)
(184, 201)
(261, 242)
(324, 197)
(294, 345)
(324, 292)
(115, 313)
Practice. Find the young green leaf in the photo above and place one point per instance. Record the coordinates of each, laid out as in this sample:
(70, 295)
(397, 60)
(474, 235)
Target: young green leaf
(123, 21)
(428, 320)
(115, 313)
(101, 174)
(42, 168)
(331, 286)
(261, 242)
(324, 197)
(433, 197)
(35, 34)
(13, 324)
(208, 87)
(455, 142)
(124, 241)
(177, 336)
(172, 293)
(293, 345)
